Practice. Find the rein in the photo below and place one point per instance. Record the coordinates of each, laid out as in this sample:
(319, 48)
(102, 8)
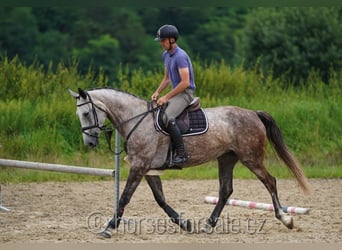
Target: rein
(150, 109)
(109, 130)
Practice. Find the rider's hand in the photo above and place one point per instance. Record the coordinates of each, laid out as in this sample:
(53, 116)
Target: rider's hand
(155, 95)
(162, 101)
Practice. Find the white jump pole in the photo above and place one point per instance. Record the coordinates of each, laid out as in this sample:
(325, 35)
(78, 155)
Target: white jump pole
(1, 207)
(258, 205)
(56, 167)
(53, 167)
(4, 209)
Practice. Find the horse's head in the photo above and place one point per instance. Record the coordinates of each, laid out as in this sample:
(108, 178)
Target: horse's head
(91, 115)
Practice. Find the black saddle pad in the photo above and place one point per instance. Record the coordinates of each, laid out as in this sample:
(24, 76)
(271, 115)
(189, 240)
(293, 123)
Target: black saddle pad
(198, 123)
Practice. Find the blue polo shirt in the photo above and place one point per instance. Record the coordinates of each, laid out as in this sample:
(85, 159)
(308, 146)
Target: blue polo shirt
(173, 62)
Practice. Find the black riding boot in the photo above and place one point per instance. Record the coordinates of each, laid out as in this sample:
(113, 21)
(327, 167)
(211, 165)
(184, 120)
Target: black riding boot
(177, 140)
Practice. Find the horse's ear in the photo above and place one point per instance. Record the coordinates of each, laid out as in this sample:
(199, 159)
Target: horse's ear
(74, 94)
(82, 93)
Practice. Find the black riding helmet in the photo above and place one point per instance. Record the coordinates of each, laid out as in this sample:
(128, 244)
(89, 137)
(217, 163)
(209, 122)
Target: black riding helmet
(167, 31)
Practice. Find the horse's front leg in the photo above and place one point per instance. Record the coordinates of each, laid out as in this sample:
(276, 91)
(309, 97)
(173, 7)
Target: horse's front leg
(157, 189)
(134, 178)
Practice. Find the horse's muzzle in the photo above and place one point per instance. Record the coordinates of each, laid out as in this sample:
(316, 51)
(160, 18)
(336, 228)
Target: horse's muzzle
(91, 141)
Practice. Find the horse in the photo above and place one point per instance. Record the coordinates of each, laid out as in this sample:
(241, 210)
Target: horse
(234, 134)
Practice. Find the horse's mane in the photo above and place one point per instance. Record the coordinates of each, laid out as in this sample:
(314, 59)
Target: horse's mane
(119, 90)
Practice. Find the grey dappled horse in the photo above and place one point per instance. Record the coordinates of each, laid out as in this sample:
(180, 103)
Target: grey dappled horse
(234, 134)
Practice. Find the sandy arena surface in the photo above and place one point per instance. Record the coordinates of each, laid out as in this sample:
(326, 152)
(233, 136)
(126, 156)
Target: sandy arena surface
(74, 212)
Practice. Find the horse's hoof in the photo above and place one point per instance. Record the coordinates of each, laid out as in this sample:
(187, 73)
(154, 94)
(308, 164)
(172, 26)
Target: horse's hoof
(206, 229)
(288, 222)
(291, 224)
(186, 225)
(106, 234)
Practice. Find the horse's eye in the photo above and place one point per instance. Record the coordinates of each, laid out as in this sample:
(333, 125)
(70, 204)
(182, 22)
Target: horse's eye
(86, 113)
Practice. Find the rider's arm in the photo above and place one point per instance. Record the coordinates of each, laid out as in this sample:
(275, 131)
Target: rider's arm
(163, 84)
(182, 85)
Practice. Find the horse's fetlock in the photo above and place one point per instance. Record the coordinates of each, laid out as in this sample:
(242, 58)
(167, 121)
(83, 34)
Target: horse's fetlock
(186, 225)
(212, 222)
(106, 233)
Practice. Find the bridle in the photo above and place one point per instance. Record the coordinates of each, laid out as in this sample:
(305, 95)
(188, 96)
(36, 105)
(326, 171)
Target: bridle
(96, 125)
(109, 129)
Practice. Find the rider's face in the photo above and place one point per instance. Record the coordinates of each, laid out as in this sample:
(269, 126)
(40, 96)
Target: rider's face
(165, 43)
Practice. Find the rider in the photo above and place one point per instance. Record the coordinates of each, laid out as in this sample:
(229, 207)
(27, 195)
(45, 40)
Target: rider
(179, 72)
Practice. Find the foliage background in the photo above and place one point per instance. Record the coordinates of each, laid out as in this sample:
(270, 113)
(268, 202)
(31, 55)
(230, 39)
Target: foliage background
(289, 41)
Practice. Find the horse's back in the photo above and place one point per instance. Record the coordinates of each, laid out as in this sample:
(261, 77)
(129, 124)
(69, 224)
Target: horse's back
(240, 128)
(234, 118)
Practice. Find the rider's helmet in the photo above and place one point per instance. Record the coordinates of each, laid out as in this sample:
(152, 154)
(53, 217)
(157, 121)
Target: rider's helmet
(167, 31)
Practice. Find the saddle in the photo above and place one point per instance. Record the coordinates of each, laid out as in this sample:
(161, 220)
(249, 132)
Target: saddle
(192, 121)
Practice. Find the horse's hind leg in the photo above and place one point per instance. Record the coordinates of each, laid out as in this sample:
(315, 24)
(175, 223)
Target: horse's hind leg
(226, 165)
(270, 183)
(156, 186)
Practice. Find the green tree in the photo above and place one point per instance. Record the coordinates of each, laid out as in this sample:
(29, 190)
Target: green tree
(51, 46)
(18, 32)
(214, 40)
(293, 41)
(51, 34)
(101, 53)
(56, 18)
(127, 27)
(90, 24)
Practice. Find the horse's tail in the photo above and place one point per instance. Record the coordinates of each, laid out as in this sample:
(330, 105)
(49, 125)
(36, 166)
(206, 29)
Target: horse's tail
(276, 138)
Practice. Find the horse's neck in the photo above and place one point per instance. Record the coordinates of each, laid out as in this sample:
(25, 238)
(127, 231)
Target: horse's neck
(121, 107)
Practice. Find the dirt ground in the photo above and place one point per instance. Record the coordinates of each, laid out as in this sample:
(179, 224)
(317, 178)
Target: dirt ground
(74, 212)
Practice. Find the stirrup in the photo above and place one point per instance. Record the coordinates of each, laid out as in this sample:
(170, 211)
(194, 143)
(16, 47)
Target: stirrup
(180, 160)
